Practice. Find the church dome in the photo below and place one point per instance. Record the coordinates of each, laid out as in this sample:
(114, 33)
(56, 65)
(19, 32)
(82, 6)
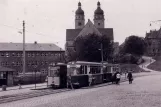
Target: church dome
(79, 10)
(99, 10)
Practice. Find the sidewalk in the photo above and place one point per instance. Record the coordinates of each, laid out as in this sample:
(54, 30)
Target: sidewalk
(25, 89)
(148, 61)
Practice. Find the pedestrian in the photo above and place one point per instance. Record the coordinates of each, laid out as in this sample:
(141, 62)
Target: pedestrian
(114, 78)
(130, 77)
(19, 83)
(125, 74)
(118, 76)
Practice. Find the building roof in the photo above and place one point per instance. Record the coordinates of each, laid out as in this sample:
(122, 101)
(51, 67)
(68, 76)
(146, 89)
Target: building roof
(29, 47)
(89, 28)
(107, 31)
(154, 34)
(72, 33)
(6, 69)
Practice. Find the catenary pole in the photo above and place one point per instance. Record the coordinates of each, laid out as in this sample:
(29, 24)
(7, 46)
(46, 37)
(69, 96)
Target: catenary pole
(24, 59)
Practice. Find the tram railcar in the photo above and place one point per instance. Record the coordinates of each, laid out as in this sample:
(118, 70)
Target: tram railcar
(81, 73)
(57, 75)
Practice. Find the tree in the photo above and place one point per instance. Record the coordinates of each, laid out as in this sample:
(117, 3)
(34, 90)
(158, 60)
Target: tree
(132, 49)
(88, 48)
(134, 45)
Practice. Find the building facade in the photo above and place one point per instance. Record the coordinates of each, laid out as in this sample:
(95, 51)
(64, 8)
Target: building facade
(153, 43)
(82, 29)
(38, 56)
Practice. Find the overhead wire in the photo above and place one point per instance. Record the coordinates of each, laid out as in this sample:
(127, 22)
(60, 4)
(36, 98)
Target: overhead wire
(20, 31)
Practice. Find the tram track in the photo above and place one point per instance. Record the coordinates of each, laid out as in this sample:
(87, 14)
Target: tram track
(37, 93)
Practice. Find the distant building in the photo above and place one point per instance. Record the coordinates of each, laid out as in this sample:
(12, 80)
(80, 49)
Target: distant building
(38, 56)
(153, 42)
(82, 30)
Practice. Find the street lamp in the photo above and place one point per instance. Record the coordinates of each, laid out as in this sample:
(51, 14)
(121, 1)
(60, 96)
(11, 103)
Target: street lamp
(101, 57)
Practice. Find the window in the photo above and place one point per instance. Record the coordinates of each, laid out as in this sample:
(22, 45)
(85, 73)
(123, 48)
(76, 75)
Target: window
(98, 23)
(13, 54)
(42, 63)
(29, 54)
(42, 54)
(18, 54)
(2, 54)
(33, 55)
(2, 63)
(46, 54)
(79, 24)
(7, 55)
(37, 54)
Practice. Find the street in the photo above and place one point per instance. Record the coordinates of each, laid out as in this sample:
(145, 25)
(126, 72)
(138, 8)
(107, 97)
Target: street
(144, 92)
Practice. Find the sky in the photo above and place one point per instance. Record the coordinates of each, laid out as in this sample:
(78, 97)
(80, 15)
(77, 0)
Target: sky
(47, 20)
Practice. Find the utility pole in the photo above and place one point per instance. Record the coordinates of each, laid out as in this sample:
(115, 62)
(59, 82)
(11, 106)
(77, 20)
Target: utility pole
(102, 57)
(24, 59)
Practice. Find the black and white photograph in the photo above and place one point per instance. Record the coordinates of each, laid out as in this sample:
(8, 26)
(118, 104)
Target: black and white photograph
(80, 53)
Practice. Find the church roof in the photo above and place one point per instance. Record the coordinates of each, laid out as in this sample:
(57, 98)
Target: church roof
(89, 28)
(71, 34)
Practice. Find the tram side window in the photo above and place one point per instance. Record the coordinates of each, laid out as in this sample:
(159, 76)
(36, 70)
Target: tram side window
(83, 70)
(3, 75)
(95, 70)
(115, 69)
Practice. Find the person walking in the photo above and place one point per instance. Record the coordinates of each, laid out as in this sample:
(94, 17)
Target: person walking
(118, 76)
(19, 83)
(130, 77)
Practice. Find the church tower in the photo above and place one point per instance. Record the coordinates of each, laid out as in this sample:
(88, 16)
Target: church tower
(79, 17)
(99, 17)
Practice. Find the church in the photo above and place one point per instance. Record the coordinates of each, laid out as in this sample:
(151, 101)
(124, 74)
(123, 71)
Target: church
(82, 29)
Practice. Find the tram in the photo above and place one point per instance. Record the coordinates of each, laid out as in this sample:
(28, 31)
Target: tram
(83, 73)
(57, 75)
(80, 74)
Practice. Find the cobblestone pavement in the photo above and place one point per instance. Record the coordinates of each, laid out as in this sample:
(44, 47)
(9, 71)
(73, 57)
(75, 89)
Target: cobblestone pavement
(144, 92)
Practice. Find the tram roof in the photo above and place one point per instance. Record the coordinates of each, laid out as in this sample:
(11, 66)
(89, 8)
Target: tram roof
(91, 63)
(84, 62)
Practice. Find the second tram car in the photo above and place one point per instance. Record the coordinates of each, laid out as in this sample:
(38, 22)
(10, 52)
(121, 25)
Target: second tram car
(83, 73)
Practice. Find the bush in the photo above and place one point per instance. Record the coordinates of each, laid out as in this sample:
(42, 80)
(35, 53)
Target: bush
(30, 78)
